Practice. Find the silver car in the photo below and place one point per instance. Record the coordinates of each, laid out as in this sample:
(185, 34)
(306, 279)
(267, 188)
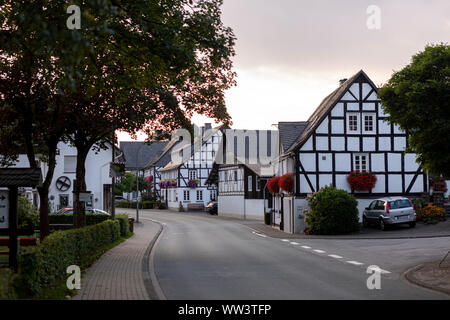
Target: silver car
(390, 211)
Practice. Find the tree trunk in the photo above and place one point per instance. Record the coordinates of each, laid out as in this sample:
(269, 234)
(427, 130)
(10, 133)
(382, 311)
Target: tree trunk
(80, 185)
(43, 195)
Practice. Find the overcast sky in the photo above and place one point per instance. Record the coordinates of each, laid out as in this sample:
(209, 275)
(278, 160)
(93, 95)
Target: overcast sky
(290, 54)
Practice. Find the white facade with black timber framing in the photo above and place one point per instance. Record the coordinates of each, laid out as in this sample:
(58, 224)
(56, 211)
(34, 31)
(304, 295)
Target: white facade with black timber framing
(347, 132)
(242, 179)
(196, 168)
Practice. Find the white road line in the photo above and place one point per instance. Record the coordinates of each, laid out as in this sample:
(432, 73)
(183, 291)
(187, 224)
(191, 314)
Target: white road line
(306, 247)
(335, 256)
(356, 263)
(259, 234)
(294, 243)
(319, 251)
(285, 240)
(377, 269)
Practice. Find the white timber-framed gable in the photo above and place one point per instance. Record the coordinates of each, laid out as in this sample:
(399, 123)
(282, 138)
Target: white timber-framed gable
(349, 131)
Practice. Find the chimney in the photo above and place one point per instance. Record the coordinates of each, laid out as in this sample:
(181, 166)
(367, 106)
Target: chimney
(342, 81)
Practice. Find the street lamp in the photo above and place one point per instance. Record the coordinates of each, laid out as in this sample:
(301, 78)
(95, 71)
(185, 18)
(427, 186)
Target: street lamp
(137, 183)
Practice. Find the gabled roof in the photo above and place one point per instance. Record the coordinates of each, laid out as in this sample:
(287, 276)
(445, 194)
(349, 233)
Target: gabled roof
(164, 157)
(20, 177)
(290, 131)
(139, 153)
(325, 106)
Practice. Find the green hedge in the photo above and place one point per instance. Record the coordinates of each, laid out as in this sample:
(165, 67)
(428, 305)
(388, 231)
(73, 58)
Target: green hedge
(45, 265)
(333, 211)
(124, 224)
(150, 204)
(7, 291)
(91, 218)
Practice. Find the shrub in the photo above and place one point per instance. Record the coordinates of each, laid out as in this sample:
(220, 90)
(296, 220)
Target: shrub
(27, 214)
(431, 214)
(333, 211)
(161, 205)
(439, 184)
(91, 218)
(147, 204)
(419, 203)
(45, 265)
(123, 204)
(124, 224)
(7, 291)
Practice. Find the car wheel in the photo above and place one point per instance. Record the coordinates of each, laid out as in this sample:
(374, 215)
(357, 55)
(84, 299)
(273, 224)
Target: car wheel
(365, 222)
(383, 226)
(412, 224)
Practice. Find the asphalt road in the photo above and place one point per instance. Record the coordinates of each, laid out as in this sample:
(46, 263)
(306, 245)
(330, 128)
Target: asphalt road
(200, 257)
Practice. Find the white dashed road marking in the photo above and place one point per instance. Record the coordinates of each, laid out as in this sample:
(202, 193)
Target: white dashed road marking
(319, 251)
(335, 256)
(306, 247)
(356, 263)
(294, 243)
(285, 240)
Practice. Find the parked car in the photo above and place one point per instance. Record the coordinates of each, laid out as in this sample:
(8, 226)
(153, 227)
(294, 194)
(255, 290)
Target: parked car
(212, 207)
(87, 210)
(390, 211)
(119, 198)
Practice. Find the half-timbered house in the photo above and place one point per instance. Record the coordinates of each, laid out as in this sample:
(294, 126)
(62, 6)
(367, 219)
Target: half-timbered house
(242, 176)
(347, 132)
(188, 186)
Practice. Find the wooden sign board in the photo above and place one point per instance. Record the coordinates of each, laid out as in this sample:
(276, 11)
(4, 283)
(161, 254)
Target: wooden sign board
(4, 210)
(85, 196)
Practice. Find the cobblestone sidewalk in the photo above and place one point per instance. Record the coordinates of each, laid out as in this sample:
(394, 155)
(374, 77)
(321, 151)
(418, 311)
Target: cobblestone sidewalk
(118, 274)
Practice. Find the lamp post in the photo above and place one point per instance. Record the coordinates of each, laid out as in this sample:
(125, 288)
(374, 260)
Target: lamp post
(137, 183)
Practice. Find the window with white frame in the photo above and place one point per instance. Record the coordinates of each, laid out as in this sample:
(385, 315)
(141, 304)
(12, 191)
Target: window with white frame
(199, 195)
(192, 174)
(369, 122)
(235, 175)
(258, 183)
(212, 195)
(70, 164)
(250, 183)
(360, 162)
(186, 195)
(352, 122)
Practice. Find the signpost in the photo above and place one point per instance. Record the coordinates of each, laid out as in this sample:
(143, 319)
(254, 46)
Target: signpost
(13, 178)
(4, 207)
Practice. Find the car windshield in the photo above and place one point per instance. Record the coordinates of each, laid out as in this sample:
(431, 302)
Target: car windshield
(399, 204)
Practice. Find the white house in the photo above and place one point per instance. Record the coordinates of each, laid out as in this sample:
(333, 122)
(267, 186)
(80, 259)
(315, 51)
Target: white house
(348, 131)
(98, 179)
(190, 174)
(242, 177)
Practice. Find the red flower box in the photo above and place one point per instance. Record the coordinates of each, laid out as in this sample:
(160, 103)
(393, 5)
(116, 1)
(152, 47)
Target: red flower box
(361, 181)
(286, 182)
(272, 184)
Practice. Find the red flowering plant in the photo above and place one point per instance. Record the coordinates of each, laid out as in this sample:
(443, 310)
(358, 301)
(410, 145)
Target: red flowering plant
(272, 184)
(439, 184)
(361, 180)
(287, 182)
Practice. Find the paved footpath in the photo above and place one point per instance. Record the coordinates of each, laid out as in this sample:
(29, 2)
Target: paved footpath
(118, 274)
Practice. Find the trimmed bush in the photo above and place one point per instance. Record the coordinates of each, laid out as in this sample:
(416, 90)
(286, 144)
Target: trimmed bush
(161, 205)
(123, 204)
(45, 265)
(333, 211)
(6, 285)
(124, 224)
(91, 218)
(147, 204)
(28, 215)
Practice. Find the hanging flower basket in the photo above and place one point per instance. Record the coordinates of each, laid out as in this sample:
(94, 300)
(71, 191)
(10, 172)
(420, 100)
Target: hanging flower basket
(193, 183)
(163, 184)
(439, 184)
(361, 181)
(286, 182)
(149, 178)
(272, 184)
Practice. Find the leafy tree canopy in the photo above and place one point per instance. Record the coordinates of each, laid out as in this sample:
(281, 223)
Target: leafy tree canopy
(417, 98)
